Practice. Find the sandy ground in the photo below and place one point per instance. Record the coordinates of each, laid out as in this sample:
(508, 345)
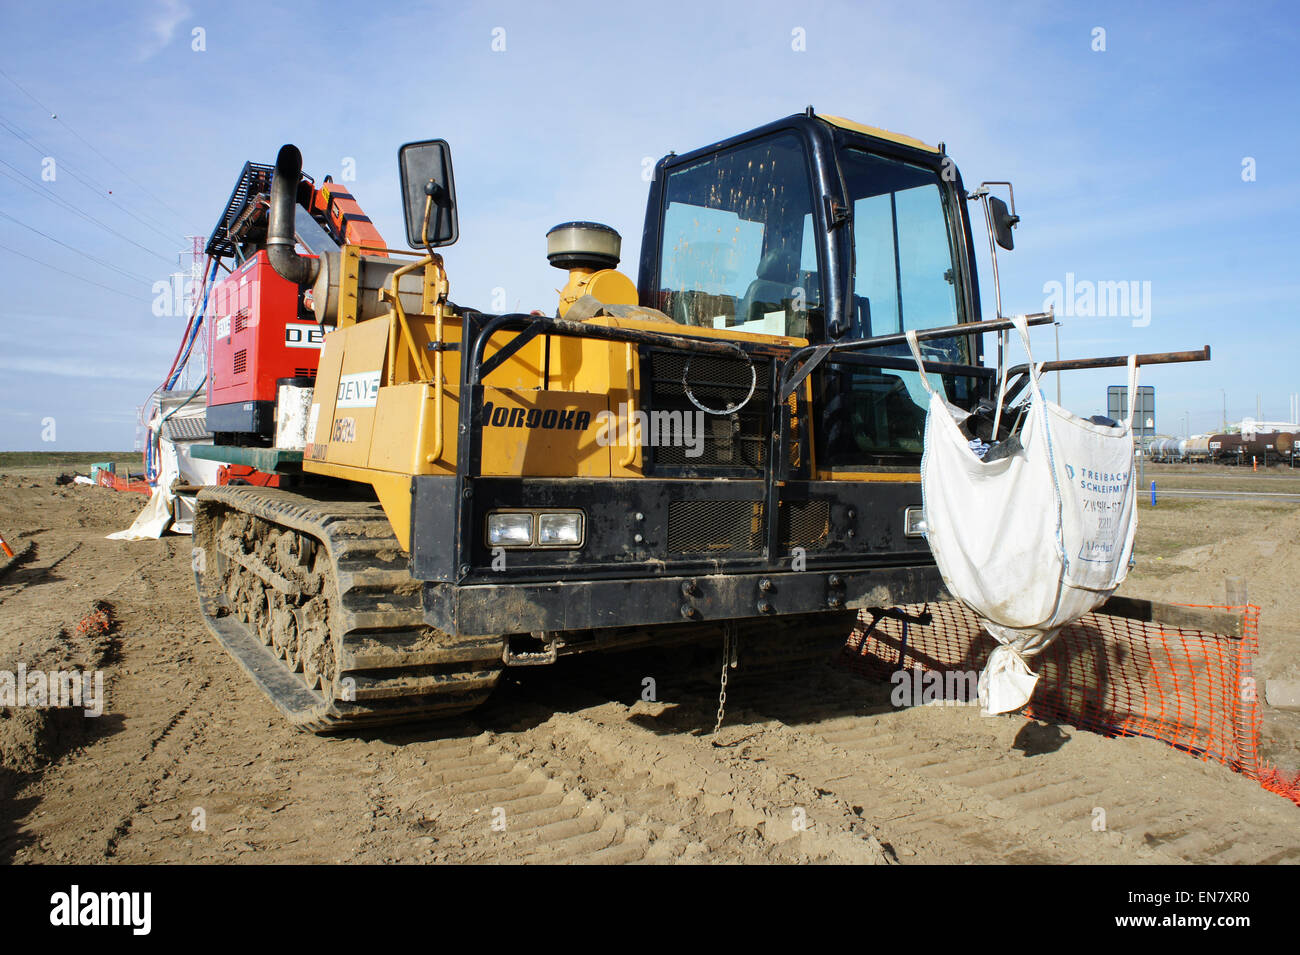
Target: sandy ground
(569, 763)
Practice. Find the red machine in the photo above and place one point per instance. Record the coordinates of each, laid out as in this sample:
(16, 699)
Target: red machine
(259, 331)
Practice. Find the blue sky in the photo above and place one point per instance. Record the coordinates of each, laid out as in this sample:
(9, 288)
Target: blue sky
(1127, 162)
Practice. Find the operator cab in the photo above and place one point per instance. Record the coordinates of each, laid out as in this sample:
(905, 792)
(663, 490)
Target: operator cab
(822, 229)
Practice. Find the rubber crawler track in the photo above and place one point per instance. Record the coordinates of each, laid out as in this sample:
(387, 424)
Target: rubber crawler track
(390, 667)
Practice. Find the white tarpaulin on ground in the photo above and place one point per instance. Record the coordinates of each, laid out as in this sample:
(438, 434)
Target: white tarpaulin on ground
(152, 522)
(166, 509)
(1032, 540)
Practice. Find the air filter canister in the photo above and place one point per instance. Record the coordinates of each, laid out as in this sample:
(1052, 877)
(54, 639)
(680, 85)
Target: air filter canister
(583, 245)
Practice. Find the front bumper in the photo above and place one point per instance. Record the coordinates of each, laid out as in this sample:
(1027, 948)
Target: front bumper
(558, 606)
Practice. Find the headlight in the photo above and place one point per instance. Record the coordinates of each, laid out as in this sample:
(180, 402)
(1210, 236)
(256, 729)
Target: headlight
(562, 529)
(914, 523)
(510, 530)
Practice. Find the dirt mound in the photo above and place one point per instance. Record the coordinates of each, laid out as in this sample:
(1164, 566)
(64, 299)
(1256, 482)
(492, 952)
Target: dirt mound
(31, 738)
(22, 553)
(53, 687)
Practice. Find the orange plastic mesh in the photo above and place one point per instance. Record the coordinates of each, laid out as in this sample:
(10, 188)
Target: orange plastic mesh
(1188, 688)
(117, 483)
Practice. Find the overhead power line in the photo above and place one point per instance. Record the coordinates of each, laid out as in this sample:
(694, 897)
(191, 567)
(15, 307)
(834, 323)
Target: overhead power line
(79, 278)
(70, 248)
(99, 189)
(63, 203)
(89, 145)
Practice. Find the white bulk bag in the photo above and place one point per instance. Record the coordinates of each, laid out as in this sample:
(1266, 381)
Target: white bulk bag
(1034, 540)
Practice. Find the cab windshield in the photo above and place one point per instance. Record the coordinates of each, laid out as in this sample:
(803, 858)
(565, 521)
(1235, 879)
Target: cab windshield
(739, 247)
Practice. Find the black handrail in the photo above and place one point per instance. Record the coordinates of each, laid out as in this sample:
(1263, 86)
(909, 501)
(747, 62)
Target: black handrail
(534, 325)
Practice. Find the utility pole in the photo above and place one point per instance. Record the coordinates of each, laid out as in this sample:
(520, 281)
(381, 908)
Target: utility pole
(1224, 392)
(185, 285)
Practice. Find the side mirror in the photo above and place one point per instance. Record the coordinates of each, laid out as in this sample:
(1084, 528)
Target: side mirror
(428, 194)
(1001, 220)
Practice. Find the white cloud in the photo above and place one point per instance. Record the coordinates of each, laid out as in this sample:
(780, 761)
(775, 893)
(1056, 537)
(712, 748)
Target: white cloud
(161, 26)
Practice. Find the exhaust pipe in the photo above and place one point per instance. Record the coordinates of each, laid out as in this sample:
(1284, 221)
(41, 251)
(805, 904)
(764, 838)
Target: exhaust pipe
(287, 263)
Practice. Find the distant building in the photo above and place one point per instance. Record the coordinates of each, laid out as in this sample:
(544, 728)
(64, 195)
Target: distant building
(1249, 427)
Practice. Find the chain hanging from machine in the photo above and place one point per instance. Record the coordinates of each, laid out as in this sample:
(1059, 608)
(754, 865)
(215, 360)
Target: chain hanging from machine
(730, 660)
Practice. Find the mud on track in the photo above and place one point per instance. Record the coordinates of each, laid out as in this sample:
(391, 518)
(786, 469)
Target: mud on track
(564, 764)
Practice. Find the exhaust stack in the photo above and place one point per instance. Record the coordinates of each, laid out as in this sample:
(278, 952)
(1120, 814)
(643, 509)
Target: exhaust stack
(280, 240)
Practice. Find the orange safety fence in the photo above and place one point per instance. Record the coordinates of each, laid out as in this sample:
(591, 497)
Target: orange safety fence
(118, 483)
(1191, 689)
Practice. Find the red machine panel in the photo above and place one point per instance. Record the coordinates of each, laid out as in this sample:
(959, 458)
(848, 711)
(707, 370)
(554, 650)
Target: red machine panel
(257, 334)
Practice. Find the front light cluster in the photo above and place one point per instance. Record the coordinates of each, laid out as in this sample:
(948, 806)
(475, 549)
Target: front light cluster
(535, 529)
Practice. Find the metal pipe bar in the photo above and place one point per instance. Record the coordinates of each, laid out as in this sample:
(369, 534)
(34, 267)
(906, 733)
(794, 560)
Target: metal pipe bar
(806, 359)
(944, 331)
(907, 363)
(1018, 376)
(1119, 361)
(507, 351)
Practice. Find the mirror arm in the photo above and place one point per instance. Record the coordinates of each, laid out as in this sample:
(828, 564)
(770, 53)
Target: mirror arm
(982, 194)
(997, 285)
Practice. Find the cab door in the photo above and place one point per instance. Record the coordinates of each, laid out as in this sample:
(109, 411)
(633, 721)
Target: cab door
(905, 231)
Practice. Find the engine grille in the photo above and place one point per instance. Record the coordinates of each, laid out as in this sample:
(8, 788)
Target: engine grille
(736, 527)
(702, 527)
(241, 362)
(734, 441)
(805, 524)
(186, 427)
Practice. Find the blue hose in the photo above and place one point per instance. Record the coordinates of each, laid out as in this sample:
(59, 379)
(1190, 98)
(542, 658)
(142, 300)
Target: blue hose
(151, 457)
(194, 330)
